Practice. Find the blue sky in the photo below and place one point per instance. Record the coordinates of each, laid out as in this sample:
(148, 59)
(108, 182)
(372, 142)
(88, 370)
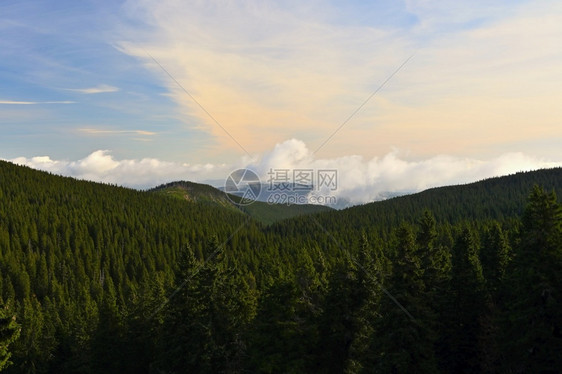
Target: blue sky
(80, 94)
(62, 57)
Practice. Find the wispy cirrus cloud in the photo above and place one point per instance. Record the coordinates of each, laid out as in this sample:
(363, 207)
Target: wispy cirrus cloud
(265, 71)
(15, 102)
(484, 77)
(91, 131)
(102, 88)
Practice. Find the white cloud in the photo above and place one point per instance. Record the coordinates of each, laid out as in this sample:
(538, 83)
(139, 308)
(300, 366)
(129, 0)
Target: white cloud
(101, 166)
(359, 180)
(102, 88)
(362, 180)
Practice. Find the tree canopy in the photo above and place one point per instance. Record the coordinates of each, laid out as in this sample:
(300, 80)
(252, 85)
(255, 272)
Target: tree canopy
(100, 278)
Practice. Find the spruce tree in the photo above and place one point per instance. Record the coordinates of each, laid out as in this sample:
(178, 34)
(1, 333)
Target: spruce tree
(495, 255)
(466, 306)
(372, 268)
(9, 332)
(278, 337)
(207, 315)
(435, 259)
(337, 324)
(404, 340)
(533, 325)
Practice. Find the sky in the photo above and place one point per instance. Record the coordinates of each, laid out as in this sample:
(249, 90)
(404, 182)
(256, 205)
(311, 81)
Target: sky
(395, 95)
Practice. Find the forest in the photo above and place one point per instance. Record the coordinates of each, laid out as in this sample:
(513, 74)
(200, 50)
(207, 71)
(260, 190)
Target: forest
(96, 278)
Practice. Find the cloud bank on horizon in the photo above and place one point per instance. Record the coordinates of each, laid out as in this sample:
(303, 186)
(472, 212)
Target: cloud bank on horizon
(359, 180)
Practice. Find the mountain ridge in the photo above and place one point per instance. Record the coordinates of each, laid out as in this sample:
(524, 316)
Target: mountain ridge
(266, 213)
(498, 198)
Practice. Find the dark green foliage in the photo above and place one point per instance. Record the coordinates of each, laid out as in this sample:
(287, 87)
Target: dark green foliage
(206, 317)
(76, 255)
(533, 323)
(282, 337)
(495, 256)
(108, 279)
(271, 213)
(351, 311)
(9, 332)
(373, 269)
(465, 307)
(408, 342)
(501, 198)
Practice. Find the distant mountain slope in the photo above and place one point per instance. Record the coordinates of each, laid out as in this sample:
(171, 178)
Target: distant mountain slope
(494, 198)
(499, 198)
(195, 192)
(261, 211)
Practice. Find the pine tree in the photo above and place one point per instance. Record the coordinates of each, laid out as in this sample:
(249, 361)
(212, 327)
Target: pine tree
(495, 255)
(208, 312)
(9, 332)
(107, 339)
(466, 306)
(405, 339)
(277, 340)
(533, 326)
(182, 310)
(337, 324)
(372, 269)
(435, 259)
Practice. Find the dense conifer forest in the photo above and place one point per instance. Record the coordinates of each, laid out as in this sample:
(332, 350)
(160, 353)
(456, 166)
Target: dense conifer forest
(102, 279)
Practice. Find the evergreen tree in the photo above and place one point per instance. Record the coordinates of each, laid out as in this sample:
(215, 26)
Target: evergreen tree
(495, 255)
(280, 340)
(207, 316)
(533, 327)
(465, 309)
(9, 332)
(107, 340)
(144, 322)
(372, 270)
(405, 341)
(338, 324)
(435, 259)
(183, 308)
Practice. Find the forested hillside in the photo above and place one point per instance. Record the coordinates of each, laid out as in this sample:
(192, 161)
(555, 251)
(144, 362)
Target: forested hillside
(97, 278)
(258, 210)
(501, 198)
